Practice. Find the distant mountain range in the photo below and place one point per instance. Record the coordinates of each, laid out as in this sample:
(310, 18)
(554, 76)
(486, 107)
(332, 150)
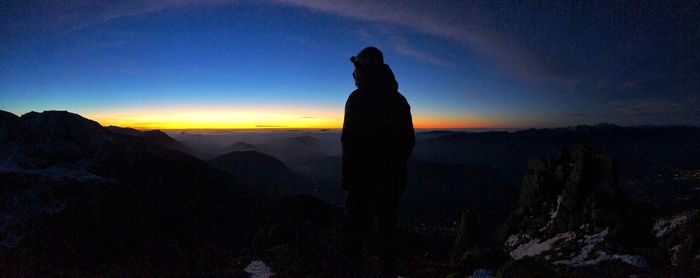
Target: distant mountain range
(82, 199)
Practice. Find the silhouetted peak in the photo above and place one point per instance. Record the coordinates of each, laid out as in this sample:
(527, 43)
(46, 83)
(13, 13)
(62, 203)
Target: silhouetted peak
(7, 117)
(153, 136)
(156, 134)
(123, 130)
(240, 146)
(60, 124)
(8, 123)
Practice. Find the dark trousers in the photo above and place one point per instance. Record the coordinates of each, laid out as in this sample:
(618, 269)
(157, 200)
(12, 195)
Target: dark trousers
(370, 217)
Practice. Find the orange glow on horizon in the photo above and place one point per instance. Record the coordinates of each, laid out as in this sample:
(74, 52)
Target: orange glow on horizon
(260, 119)
(218, 120)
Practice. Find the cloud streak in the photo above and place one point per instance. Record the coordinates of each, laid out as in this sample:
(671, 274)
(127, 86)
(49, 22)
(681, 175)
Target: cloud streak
(507, 56)
(409, 51)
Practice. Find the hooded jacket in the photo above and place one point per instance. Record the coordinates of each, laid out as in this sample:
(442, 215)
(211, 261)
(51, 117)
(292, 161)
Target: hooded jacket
(378, 134)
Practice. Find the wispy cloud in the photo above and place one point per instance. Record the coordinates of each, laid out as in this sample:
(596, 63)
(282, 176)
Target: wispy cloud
(510, 57)
(647, 108)
(64, 17)
(409, 51)
(417, 16)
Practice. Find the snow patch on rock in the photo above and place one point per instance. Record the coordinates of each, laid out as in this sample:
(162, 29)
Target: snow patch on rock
(553, 214)
(585, 257)
(258, 269)
(514, 239)
(674, 254)
(535, 247)
(666, 225)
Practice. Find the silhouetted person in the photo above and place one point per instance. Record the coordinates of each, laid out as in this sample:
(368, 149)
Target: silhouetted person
(377, 140)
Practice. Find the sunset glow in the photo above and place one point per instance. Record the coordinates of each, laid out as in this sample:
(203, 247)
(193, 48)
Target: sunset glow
(251, 119)
(220, 120)
(284, 64)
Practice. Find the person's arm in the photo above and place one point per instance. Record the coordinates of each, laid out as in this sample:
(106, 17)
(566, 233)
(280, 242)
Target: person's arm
(348, 139)
(349, 127)
(408, 136)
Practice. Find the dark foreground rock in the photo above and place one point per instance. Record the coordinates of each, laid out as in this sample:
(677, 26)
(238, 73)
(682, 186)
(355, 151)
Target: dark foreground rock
(572, 219)
(78, 199)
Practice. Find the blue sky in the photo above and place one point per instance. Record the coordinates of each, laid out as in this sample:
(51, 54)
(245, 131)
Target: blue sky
(460, 64)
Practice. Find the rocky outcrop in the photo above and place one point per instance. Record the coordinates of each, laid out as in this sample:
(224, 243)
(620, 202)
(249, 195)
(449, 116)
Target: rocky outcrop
(571, 216)
(572, 213)
(570, 191)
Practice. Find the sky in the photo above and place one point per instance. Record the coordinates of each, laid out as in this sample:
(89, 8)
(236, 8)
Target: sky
(246, 64)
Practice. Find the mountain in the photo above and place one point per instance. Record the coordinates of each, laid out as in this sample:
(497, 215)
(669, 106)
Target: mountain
(239, 147)
(80, 199)
(262, 172)
(124, 130)
(8, 123)
(155, 136)
(296, 151)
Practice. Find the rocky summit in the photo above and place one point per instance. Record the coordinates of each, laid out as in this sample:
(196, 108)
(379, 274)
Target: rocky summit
(572, 219)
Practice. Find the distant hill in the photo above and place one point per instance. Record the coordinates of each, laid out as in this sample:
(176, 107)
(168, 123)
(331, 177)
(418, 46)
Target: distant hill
(262, 172)
(155, 136)
(296, 151)
(240, 146)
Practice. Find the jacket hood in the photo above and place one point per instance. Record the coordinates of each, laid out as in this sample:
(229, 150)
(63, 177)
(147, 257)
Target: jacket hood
(378, 78)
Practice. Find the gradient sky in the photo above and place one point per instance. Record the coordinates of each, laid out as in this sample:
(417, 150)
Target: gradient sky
(242, 64)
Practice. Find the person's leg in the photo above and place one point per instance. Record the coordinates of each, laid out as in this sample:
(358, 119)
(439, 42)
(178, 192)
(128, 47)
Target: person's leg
(387, 216)
(356, 226)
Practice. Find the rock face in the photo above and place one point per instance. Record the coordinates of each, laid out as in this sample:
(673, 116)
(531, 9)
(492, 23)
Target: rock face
(572, 204)
(571, 218)
(566, 192)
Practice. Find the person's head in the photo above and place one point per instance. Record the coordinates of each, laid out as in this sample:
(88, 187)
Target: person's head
(365, 61)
